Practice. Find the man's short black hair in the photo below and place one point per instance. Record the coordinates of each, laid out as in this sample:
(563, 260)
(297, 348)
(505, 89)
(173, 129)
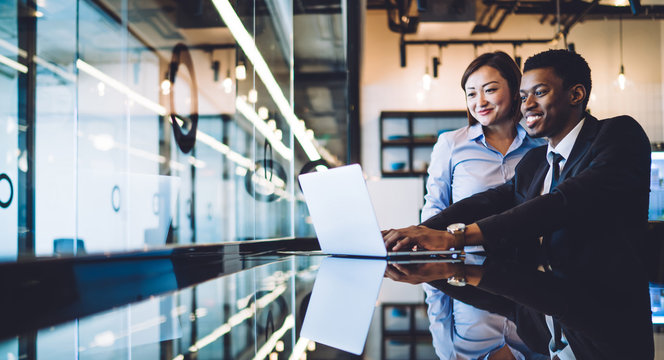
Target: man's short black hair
(571, 67)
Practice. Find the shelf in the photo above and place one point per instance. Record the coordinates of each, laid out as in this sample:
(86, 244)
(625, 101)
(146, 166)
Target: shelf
(396, 142)
(413, 135)
(407, 333)
(425, 139)
(404, 173)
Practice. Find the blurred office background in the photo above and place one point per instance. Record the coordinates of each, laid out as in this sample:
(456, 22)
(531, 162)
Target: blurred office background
(133, 126)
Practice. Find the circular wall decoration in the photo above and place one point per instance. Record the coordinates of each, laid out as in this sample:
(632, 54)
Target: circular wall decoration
(311, 166)
(269, 166)
(5, 204)
(115, 198)
(185, 142)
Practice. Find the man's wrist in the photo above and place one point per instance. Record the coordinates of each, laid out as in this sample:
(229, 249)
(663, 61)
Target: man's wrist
(473, 235)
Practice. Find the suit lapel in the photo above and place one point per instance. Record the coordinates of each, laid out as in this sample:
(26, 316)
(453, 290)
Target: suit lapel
(581, 145)
(535, 188)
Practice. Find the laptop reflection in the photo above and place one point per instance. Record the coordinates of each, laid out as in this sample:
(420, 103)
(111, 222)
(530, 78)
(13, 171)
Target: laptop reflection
(342, 302)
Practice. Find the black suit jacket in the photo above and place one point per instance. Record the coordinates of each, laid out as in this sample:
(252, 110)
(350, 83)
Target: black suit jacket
(595, 219)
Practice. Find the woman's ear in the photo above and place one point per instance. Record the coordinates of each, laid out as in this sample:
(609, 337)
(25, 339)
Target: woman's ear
(577, 94)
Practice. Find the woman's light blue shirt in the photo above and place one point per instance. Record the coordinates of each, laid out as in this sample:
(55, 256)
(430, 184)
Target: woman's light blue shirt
(463, 164)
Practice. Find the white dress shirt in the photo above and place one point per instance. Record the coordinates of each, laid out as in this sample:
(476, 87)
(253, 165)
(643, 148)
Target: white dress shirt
(564, 148)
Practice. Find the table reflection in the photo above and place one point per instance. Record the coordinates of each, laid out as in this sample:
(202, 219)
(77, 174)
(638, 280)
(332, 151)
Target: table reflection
(599, 322)
(213, 305)
(234, 305)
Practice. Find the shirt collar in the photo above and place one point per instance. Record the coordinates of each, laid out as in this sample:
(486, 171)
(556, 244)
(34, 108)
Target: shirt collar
(475, 131)
(565, 145)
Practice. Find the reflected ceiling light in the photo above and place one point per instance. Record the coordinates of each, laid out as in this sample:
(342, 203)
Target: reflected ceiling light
(196, 162)
(101, 89)
(221, 330)
(38, 13)
(272, 124)
(266, 349)
(102, 142)
(278, 134)
(13, 64)
(104, 339)
(299, 349)
(263, 113)
(240, 71)
(246, 42)
(165, 87)
(151, 105)
(227, 83)
(56, 69)
(252, 96)
(235, 320)
(99, 75)
(280, 346)
(262, 127)
(224, 149)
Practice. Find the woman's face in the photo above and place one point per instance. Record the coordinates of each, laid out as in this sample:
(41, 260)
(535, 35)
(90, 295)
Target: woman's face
(488, 96)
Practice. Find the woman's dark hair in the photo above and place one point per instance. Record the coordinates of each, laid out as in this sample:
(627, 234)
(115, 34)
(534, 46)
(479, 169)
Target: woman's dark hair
(507, 69)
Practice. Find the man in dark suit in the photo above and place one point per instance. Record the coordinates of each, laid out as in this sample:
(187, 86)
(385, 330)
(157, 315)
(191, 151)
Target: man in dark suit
(573, 207)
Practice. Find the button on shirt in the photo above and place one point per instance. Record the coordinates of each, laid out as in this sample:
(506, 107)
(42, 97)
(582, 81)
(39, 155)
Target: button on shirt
(564, 148)
(463, 164)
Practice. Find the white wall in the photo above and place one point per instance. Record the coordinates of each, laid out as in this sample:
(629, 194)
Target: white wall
(387, 86)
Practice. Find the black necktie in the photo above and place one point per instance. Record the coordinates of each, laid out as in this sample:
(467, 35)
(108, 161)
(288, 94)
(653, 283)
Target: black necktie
(555, 170)
(555, 177)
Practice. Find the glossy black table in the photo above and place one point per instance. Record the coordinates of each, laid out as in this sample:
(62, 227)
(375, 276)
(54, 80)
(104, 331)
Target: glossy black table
(235, 301)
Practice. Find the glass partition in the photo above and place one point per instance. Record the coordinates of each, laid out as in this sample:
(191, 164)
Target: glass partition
(128, 124)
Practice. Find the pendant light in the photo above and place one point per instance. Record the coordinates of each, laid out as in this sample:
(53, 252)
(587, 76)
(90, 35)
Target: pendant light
(621, 74)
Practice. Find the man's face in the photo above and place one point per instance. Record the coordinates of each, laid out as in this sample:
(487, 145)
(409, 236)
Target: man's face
(546, 105)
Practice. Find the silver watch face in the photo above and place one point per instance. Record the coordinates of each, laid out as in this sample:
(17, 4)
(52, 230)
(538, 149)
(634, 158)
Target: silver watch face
(457, 281)
(456, 227)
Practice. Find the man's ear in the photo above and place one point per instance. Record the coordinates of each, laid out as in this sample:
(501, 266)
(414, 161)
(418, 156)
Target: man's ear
(577, 94)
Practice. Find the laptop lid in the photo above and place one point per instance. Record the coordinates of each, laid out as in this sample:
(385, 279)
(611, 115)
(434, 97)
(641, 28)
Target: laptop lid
(342, 213)
(342, 302)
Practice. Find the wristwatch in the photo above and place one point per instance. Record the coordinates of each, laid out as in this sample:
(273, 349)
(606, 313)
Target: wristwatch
(458, 279)
(459, 232)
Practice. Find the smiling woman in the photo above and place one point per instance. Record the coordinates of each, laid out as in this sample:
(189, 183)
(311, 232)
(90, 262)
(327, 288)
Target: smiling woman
(464, 162)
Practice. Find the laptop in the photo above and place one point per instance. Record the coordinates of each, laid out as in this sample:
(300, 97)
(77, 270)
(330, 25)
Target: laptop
(344, 218)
